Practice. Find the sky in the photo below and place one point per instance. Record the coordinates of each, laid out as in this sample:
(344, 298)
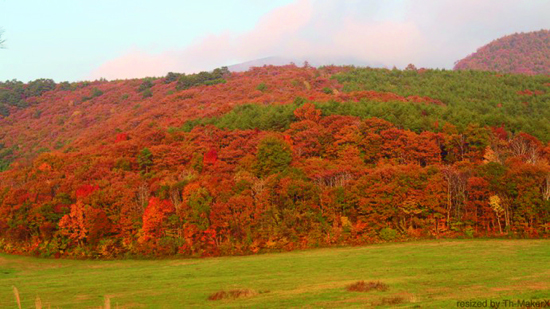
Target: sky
(77, 40)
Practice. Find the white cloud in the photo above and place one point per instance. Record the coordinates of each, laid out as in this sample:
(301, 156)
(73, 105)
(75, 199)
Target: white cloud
(428, 33)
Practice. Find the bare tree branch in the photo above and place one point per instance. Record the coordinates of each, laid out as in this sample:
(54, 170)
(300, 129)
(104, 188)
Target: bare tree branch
(2, 41)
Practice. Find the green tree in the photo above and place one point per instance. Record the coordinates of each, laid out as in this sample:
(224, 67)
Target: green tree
(274, 155)
(145, 159)
(200, 204)
(37, 87)
(171, 77)
(147, 93)
(145, 85)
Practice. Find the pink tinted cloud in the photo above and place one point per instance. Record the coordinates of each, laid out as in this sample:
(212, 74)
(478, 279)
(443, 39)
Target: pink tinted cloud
(388, 42)
(272, 33)
(134, 64)
(428, 33)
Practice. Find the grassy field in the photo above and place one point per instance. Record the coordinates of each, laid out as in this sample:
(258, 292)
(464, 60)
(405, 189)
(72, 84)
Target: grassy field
(419, 274)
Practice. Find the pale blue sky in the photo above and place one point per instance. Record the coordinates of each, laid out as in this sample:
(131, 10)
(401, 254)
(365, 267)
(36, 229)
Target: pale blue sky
(78, 40)
(66, 39)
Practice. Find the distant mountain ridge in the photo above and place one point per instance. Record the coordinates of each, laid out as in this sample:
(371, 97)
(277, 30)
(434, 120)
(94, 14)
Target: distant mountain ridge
(245, 66)
(521, 53)
(299, 61)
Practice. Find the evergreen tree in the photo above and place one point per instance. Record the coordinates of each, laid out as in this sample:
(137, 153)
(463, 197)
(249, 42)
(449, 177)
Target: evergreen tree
(273, 156)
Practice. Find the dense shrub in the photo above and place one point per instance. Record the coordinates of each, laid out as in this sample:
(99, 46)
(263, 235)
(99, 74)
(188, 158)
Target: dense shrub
(388, 234)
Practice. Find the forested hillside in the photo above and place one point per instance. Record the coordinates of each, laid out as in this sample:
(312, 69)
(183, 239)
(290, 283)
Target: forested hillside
(521, 53)
(275, 158)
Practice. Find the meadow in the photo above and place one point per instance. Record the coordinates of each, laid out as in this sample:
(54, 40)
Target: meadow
(427, 274)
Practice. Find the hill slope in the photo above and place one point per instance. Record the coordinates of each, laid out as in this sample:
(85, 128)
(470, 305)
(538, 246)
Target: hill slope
(275, 158)
(522, 53)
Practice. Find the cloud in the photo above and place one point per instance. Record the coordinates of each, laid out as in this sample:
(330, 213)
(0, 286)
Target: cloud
(380, 33)
(273, 33)
(135, 64)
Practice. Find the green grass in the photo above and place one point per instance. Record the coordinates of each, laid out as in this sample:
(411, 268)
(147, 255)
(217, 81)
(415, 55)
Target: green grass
(432, 274)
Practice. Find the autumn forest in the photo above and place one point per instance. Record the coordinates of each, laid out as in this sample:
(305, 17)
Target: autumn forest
(272, 159)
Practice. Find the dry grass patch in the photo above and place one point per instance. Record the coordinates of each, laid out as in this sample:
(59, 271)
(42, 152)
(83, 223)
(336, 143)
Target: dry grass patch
(362, 286)
(232, 294)
(390, 301)
(526, 286)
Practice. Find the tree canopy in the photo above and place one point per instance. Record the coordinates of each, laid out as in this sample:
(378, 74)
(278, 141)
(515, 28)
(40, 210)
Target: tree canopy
(315, 157)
